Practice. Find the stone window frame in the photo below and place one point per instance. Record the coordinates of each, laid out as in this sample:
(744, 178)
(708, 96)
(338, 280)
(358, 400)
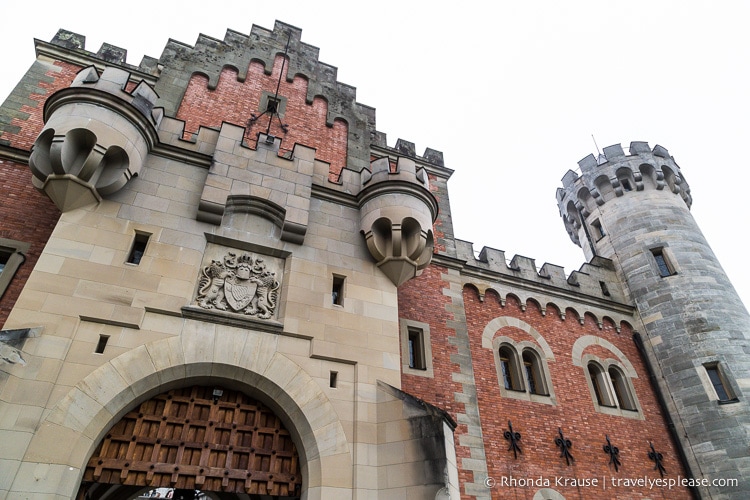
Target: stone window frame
(708, 386)
(517, 364)
(490, 340)
(667, 258)
(269, 96)
(622, 362)
(609, 394)
(16, 252)
(406, 326)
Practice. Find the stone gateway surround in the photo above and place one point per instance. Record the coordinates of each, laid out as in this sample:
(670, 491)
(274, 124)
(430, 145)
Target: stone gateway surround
(218, 276)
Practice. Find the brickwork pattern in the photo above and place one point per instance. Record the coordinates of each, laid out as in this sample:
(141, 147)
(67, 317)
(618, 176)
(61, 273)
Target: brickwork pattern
(574, 412)
(234, 101)
(428, 299)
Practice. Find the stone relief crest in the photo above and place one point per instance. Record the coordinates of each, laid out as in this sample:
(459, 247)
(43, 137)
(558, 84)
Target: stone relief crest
(241, 284)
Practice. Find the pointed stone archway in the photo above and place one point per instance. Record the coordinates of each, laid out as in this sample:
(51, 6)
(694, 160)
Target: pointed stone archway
(199, 438)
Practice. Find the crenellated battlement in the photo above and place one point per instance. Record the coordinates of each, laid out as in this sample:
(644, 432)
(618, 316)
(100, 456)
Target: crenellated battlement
(614, 174)
(583, 291)
(74, 46)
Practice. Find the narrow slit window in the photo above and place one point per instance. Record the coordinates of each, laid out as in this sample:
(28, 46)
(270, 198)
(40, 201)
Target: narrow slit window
(139, 248)
(337, 291)
(416, 350)
(665, 267)
(333, 379)
(717, 381)
(605, 289)
(102, 344)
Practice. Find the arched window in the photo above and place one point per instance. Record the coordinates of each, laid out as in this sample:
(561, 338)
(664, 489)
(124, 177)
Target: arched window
(532, 370)
(509, 369)
(521, 365)
(611, 387)
(601, 385)
(622, 389)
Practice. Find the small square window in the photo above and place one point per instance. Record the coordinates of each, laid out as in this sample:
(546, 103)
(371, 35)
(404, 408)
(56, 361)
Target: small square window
(272, 106)
(138, 248)
(337, 291)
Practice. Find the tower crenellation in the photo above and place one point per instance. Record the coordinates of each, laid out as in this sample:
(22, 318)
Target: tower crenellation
(635, 210)
(613, 175)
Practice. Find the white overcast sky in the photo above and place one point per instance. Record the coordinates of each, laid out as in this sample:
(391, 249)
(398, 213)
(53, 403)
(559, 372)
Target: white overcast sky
(510, 91)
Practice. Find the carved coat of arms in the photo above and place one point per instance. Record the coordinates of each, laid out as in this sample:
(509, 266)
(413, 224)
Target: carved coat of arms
(240, 284)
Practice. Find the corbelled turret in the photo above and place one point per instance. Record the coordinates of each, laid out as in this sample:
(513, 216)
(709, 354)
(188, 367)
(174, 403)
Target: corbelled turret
(396, 215)
(96, 137)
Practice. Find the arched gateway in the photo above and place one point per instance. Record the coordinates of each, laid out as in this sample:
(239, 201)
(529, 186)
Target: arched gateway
(196, 438)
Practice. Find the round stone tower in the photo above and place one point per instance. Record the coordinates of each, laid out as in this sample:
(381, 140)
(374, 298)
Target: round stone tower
(635, 210)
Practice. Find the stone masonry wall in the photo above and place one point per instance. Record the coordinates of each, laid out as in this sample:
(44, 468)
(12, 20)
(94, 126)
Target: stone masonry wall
(27, 216)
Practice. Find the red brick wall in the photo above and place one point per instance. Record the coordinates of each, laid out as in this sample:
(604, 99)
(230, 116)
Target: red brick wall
(422, 299)
(26, 215)
(574, 413)
(233, 101)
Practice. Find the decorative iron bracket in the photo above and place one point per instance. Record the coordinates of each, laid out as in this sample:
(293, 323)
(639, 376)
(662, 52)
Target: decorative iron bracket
(614, 454)
(657, 458)
(564, 445)
(513, 438)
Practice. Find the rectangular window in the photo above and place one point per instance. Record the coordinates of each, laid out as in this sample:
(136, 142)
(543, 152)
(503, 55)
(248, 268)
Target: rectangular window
(723, 392)
(665, 267)
(333, 379)
(598, 231)
(102, 344)
(12, 256)
(337, 291)
(416, 349)
(138, 248)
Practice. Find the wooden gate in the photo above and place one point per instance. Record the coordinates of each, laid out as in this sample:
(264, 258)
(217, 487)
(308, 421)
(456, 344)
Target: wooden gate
(190, 439)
